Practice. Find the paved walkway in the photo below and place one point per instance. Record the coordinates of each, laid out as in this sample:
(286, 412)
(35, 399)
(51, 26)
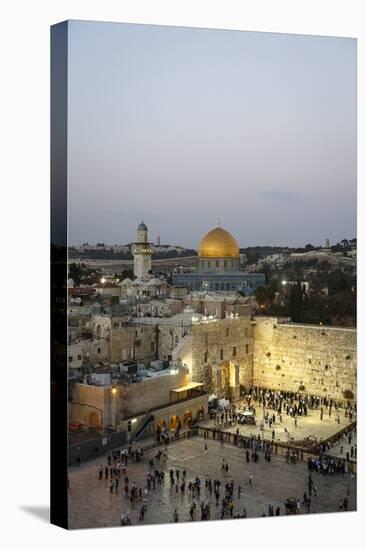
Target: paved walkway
(92, 505)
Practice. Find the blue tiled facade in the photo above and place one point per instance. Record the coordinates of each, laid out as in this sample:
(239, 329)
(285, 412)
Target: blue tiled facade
(220, 281)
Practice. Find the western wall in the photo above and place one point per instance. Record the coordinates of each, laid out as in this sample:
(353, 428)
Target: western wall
(270, 353)
(312, 359)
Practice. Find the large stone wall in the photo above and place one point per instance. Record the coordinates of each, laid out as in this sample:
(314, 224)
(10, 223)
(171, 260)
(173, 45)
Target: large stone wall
(213, 354)
(312, 359)
(317, 360)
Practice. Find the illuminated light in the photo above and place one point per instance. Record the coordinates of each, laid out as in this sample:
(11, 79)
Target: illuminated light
(173, 371)
(114, 391)
(102, 280)
(133, 420)
(284, 283)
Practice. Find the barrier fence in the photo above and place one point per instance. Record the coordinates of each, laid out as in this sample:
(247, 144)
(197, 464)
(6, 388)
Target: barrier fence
(114, 442)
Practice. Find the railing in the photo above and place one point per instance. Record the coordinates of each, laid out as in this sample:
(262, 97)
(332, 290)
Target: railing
(143, 425)
(279, 448)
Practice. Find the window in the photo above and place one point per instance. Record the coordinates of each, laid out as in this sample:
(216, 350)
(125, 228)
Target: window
(246, 348)
(217, 263)
(99, 350)
(176, 340)
(205, 357)
(70, 358)
(79, 357)
(221, 354)
(225, 263)
(246, 332)
(227, 331)
(209, 264)
(152, 346)
(234, 351)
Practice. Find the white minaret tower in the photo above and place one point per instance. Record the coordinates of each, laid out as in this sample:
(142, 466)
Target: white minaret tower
(142, 254)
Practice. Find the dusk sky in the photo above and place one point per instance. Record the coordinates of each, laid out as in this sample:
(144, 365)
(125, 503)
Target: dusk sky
(180, 126)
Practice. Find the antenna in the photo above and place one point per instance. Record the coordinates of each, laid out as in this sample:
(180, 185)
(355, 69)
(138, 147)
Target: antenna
(218, 222)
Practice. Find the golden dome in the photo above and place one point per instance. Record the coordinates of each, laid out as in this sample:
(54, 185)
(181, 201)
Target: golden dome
(218, 243)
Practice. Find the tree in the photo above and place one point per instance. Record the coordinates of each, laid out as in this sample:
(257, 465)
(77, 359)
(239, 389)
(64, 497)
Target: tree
(75, 273)
(295, 303)
(264, 295)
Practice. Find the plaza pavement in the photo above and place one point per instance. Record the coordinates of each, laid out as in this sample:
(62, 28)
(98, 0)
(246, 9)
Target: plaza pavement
(92, 505)
(307, 426)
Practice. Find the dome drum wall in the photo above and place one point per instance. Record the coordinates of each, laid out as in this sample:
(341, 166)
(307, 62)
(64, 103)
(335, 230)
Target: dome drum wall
(218, 264)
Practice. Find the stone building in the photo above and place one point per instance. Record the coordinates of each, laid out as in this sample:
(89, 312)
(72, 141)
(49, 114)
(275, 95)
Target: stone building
(222, 354)
(168, 397)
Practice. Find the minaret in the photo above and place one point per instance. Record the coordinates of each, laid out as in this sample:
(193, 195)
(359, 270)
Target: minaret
(142, 254)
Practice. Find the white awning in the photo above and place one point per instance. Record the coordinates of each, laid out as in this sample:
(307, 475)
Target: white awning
(189, 386)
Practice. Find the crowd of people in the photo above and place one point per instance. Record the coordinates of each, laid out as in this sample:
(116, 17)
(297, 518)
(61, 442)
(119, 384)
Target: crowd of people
(203, 493)
(221, 492)
(329, 466)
